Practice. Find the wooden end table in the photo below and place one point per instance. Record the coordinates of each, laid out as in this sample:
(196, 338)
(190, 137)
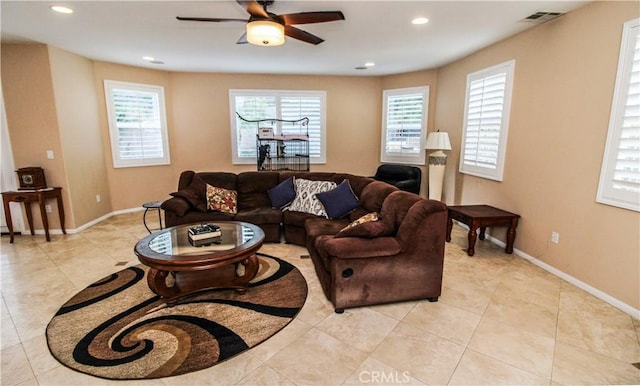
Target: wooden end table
(483, 216)
(28, 197)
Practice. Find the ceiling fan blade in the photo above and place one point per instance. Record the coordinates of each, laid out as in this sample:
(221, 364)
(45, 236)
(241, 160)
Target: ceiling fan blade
(254, 9)
(243, 39)
(299, 34)
(214, 19)
(311, 17)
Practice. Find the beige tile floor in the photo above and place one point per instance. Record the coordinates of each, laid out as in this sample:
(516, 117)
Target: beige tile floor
(500, 320)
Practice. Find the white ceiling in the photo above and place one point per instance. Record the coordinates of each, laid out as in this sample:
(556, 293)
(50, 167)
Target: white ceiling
(377, 31)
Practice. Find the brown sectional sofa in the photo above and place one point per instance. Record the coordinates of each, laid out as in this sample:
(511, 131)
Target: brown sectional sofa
(400, 257)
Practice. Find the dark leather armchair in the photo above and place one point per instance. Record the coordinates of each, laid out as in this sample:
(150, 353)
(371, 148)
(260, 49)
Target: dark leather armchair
(404, 177)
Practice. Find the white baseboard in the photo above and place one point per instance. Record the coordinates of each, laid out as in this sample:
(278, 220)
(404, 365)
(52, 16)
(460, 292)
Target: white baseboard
(624, 307)
(84, 226)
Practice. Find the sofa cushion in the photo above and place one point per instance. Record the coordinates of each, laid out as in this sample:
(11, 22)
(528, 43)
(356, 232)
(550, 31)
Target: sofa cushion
(260, 216)
(283, 194)
(194, 194)
(340, 201)
(306, 200)
(222, 200)
(252, 189)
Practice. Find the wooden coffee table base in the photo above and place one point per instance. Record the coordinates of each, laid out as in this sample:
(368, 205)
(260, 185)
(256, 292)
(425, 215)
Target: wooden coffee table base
(482, 216)
(173, 285)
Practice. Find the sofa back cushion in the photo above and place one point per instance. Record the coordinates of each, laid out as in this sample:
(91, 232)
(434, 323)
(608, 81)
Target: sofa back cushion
(374, 194)
(220, 179)
(395, 207)
(253, 187)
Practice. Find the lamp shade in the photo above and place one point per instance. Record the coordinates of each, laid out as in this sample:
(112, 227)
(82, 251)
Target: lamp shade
(438, 141)
(265, 33)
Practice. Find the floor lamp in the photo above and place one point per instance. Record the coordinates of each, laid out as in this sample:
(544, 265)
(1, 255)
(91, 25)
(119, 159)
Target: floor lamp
(437, 141)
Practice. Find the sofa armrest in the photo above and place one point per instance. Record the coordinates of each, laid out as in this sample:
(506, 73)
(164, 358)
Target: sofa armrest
(178, 205)
(359, 247)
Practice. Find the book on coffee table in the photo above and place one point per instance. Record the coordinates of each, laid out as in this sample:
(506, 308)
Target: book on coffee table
(204, 231)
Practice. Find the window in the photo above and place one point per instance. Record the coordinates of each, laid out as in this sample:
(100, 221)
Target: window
(620, 175)
(404, 124)
(287, 105)
(486, 121)
(137, 124)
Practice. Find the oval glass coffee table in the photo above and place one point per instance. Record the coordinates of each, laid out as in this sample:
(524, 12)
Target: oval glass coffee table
(178, 268)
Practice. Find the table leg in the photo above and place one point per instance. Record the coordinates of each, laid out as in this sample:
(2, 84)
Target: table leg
(472, 236)
(144, 219)
(511, 235)
(7, 217)
(159, 219)
(45, 218)
(27, 208)
(481, 236)
(61, 213)
(449, 227)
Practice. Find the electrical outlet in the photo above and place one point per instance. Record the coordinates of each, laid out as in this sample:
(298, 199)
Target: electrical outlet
(555, 237)
(98, 198)
(48, 208)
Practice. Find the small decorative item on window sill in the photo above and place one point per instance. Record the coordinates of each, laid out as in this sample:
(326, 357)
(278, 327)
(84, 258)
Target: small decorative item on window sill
(31, 178)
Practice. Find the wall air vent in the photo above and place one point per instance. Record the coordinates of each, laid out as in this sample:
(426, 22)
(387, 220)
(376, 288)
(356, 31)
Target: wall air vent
(543, 16)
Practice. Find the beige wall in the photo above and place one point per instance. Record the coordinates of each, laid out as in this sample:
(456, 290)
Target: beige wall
(77, 113)
(32, 119)
(199, 125)
(414, 79)
(564, 78)
(131, 187)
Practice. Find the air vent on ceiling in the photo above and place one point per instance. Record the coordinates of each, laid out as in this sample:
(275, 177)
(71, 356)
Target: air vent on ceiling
(543, 16)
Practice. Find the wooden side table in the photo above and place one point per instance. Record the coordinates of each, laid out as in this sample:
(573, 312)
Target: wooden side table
(483, 216)
(29, 196)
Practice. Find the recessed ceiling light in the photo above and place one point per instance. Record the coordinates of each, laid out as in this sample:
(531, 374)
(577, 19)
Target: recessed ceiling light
(369, 64)
(420, 20)
(61, 9)
(148, 58)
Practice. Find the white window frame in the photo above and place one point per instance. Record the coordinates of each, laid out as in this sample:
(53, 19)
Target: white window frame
(118, 161)
(233, 93)
(497, 172)
(608, 193)
(404, 157)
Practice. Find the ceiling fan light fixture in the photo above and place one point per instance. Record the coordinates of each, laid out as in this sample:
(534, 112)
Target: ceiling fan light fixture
(265, 33)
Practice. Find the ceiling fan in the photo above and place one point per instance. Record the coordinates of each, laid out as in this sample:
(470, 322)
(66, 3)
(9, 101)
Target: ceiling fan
(268, 29)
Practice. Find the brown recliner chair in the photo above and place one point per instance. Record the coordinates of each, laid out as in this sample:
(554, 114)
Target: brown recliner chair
(404, 264)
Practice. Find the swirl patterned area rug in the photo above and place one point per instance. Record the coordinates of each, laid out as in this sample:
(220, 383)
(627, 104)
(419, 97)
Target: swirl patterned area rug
(118, 329)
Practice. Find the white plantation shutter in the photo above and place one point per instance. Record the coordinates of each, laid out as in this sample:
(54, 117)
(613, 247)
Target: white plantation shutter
(245, 134)
(620, 176)
(137, 124)
(403, 125)
(278, 104)
(486, 120)
(293, 108)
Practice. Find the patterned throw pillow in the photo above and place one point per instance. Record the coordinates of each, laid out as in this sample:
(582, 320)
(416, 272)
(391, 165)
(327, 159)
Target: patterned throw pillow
(306, 200)
(368, 226)
(369, 217)
(222, 200)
